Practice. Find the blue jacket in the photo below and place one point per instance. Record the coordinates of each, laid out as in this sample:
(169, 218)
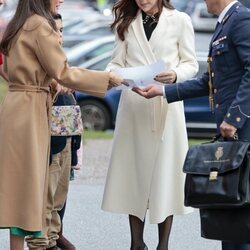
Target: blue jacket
(230, 73)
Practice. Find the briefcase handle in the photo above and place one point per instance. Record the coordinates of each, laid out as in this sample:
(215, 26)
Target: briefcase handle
(219, 136)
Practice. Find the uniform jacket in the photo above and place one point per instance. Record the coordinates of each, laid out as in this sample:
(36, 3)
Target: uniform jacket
(35, 57)
(230, 52)
(150, 140)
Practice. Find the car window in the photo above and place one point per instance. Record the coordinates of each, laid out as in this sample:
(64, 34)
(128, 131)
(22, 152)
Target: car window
(205, 14)
(180, 5)
(101, 65)
(92, 53)
(102, 31)
(202, 67)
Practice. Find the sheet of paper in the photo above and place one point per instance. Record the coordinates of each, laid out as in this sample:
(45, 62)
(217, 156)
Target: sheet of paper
(140, 76)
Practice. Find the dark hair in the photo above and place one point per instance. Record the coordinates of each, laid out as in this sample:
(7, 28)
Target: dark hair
(57, 16)
(25, 9)
(125, 12)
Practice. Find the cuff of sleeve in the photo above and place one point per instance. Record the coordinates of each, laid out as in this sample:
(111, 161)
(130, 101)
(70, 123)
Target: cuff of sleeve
(163, 92)
(171, 92)
(235, 117)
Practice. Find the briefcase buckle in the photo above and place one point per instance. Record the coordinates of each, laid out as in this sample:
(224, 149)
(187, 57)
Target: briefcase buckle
(213, 176)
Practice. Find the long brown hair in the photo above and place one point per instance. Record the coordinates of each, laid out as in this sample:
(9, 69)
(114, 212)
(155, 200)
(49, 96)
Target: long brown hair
(25, 9)
(125, 12)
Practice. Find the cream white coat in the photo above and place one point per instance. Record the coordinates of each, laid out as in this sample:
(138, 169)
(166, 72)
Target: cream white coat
(150, 140)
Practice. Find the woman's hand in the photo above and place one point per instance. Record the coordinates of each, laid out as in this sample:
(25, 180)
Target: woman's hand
(63, 90)
(166, 77)
(114, 80)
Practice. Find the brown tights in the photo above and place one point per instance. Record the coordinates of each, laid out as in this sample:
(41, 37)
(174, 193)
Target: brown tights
(136, 230)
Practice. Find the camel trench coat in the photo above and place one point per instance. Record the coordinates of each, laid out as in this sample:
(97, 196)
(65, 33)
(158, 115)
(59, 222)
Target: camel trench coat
(150, 140)
(35, 57)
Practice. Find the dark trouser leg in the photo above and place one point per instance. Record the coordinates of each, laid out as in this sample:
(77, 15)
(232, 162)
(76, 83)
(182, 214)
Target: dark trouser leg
(164, 229)
(136, 230)
(226, 245)
(62, 211)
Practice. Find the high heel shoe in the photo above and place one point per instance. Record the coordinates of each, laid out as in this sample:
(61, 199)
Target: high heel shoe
(145, 247)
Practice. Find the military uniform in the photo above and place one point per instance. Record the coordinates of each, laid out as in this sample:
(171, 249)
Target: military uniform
(227, 81)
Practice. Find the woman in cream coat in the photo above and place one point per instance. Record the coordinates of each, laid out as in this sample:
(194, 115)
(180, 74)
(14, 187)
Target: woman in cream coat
(33, 56)
(150, 140)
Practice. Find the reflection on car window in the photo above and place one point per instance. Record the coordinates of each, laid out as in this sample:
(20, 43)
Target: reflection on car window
(93, 53)
(103, 31)
(101, 65)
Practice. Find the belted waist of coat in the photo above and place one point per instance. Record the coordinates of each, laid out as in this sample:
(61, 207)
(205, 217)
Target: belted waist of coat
(27, 88)
(14, 87)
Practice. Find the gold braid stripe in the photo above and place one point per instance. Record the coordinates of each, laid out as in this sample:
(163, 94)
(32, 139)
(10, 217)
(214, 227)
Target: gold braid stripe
(210, 85)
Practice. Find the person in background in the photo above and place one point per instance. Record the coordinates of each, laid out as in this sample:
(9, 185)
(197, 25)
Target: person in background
(33, 57)
(227, 81)
(150, 139)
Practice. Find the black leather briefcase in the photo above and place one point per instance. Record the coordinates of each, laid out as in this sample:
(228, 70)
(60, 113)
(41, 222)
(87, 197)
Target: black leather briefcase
(217, 175)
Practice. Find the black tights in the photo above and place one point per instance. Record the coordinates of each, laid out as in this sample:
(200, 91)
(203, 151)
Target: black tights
(136, 230)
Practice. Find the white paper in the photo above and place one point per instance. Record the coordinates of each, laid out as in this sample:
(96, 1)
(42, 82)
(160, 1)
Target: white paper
(140, 76)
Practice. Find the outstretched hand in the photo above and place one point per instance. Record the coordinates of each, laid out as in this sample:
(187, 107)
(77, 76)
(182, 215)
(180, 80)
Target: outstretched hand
(150, 91)
(115, 80)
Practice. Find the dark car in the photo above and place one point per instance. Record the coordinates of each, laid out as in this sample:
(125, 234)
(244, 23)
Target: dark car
(100, 113)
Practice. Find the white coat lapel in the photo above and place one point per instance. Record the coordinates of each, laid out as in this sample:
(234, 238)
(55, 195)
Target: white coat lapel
(160, 28)
(142, 39)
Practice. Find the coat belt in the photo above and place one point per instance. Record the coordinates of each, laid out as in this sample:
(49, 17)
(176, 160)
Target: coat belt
(27, 88)
(14, 87)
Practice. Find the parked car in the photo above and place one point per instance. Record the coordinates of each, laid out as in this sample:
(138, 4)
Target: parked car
(202, 20)
(197, 9)
(84, 32)
(100, 113)
(85, 51)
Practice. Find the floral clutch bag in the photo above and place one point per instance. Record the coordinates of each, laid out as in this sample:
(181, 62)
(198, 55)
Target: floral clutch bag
(66, 120)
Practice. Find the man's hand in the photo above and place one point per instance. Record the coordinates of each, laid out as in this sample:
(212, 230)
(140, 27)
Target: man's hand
(166, 77)
(227, 130)
(149, 91)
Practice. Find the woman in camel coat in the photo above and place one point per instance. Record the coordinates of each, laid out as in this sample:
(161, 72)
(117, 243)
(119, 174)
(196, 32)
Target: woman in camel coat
(150, 140)
(33, 56)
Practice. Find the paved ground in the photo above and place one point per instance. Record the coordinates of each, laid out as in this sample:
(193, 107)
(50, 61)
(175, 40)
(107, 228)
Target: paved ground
(92, 229)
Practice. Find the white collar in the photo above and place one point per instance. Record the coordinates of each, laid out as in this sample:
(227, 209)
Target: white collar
(223, 13)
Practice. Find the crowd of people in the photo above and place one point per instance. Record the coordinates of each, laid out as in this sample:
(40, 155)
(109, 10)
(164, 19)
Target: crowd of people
(35, 167)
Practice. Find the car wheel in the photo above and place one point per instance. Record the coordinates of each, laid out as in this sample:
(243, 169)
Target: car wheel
(95, 115)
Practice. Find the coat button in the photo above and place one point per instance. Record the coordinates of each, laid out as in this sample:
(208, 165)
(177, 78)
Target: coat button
(228, 114)
(212, 74)
(215, 91)
(218, 52)
(238, 119)
(217, 105)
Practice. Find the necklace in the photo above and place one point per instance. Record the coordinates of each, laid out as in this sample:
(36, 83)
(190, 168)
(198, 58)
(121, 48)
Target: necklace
(152, 18)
